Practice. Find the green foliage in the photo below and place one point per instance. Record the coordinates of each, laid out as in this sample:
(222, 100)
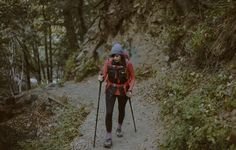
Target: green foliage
(200, 39)
(203, 35)
(88, 68)
(70, 66)
(61, 83)
(79, 72)
(61, 136)
(190, 108)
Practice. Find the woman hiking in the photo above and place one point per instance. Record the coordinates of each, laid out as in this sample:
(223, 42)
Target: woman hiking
(118, 74)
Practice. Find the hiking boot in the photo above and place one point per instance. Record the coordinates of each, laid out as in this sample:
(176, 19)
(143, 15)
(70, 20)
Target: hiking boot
(119, 133)
(108, 143)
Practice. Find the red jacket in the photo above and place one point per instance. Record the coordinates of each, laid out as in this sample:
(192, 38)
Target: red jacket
(130, 81)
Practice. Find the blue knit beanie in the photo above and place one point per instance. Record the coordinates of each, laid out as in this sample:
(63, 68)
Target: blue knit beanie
(117, 49)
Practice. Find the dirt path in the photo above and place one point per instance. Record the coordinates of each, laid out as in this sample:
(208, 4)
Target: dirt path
(149, 128)
(146, 116)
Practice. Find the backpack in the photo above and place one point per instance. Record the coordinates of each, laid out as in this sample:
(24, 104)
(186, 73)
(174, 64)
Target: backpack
(117, 74)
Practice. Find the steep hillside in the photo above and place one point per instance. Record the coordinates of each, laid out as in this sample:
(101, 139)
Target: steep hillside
(184, 57)
(188, 48)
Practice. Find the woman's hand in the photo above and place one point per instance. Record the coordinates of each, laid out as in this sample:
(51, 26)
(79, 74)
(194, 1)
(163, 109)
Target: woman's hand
(129, 94)
(100, 78)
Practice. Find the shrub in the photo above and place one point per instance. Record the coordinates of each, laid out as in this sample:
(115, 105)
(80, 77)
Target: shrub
(88, 68)
(191, 112)
(70, 66)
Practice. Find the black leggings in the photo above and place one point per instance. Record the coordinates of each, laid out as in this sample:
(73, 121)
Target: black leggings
(110, 102)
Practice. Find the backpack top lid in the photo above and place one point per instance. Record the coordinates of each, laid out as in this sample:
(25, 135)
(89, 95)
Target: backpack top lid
(117, 49)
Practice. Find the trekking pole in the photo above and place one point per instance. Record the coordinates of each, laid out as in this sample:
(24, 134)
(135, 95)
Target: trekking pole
(132, 114)
(99, 94)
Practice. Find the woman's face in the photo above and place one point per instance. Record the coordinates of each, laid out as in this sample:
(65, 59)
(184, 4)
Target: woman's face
(116, 58)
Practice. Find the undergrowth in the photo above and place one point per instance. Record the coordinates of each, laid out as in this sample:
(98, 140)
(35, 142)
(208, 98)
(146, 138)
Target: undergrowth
(204, 38)
(192, 103)
(192, 106)
(69, 67)
(60, 137)
(76, 72)
(89, 68)
(144, 72)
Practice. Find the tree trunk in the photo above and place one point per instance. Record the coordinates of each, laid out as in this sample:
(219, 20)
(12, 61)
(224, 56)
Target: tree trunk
(37, 62)
(26, 66)
(70, 31)
(21, 77)
(46, 46)
(26, 63)
(104, 16)
(82, 26)
(50, 53)
(43, 70)
(12, 68)
(46, 54)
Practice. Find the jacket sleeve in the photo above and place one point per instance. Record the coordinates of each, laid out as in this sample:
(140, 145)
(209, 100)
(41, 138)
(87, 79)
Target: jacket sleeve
(131, 76)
